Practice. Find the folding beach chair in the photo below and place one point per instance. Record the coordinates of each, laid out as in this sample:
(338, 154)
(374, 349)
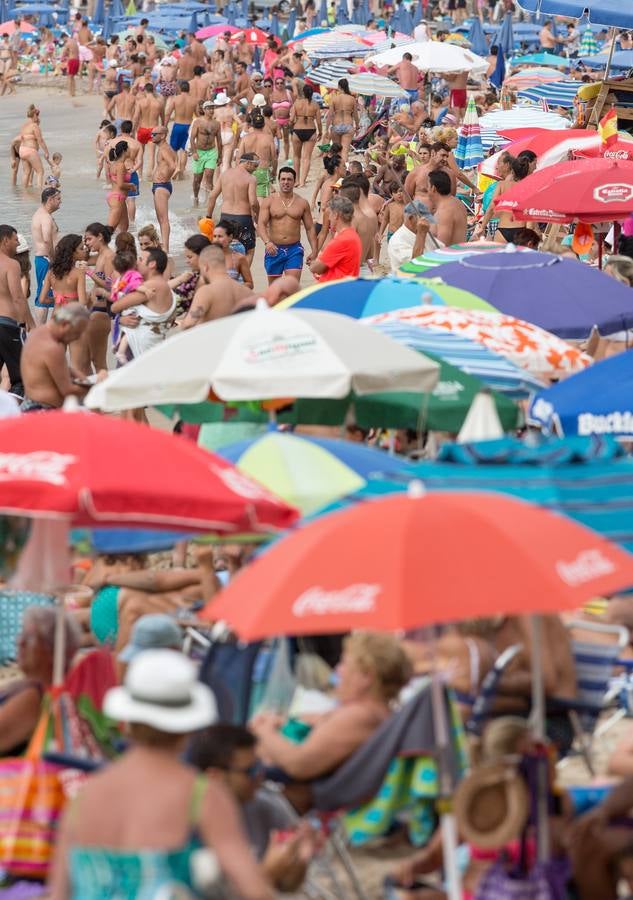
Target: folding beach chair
(483, 703)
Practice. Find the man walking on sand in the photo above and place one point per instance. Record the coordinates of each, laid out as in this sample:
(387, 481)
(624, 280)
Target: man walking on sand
(71, 54)
(183, 108)
(206, 149)
(44, 234)
(279, 226)
(239, 200)
(165, 167)
(150, 114)
(14, 308)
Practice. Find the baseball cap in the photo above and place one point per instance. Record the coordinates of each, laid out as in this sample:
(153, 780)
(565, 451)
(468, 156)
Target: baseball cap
(152, 632)
(259, 100)
(417, 208)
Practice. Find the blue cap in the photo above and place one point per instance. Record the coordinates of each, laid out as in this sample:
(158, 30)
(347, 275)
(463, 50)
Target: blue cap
(152, 632)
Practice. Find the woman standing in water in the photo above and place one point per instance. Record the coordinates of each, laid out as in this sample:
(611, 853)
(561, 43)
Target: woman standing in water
(31, 141)
(94, 341)
(67, 281)
(120, 176)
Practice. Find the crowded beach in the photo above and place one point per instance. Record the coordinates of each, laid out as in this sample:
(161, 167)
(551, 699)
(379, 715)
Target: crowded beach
(316, 434)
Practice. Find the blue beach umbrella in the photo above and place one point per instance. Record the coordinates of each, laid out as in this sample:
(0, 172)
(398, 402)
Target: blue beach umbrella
(274, 25)
(193, 23)
(231, 13)
(416, 11)
(133, 540)
(356, 14)
(98, 17)
(4, 15)
(406, 21)
(257, 59)
(107, 26)
(323, 17)
(342, 16)
(499, 74)
(601, 12)
(291, 24)
(477, 39)
(245, 9)
(505, 39)
(116, 9)
(598, 400)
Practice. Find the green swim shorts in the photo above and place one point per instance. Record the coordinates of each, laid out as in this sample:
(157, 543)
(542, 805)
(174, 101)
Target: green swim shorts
(262, 177)
(207, 159)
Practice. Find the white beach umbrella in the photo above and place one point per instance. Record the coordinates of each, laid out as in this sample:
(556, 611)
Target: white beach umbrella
(265, 355)
(434, 56)
(368, 84)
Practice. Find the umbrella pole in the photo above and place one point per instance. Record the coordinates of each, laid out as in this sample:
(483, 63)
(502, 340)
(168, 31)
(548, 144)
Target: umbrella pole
(610, 57)
(538, 728)
(600, 249)
(59, 647)
(448, 824)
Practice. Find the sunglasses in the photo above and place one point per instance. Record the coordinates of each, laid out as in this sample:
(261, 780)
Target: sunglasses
(157, 133)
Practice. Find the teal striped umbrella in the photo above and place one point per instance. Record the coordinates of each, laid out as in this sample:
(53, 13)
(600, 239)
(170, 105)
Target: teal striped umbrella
(469, 151)
(433, 258)
(588, 44)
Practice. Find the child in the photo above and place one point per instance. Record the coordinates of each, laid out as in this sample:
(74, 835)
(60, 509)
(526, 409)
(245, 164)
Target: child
(56, 167)
(392, 213)
(106, 132)
(129, 279)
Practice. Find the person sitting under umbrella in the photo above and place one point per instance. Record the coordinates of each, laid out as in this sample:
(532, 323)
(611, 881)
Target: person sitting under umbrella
(21, 702)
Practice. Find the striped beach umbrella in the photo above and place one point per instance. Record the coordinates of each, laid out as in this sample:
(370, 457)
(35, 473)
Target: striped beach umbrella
(529, 77)
(375, 85)
(588, 44)
(328, 74)
(433, 258)
(469, 151)
(554, 93)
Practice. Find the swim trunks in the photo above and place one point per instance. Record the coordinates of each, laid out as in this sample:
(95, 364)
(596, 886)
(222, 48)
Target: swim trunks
(178, 137)
(11, 339)
(135, 181)
(73, 66)
(29, 405)
(458, 99)
(207, 159)
(288, 256)
(164, 185)
(413, 93)
(262, 177)
(144, 135)
(42, 265)
(245, 229)
(167, 88)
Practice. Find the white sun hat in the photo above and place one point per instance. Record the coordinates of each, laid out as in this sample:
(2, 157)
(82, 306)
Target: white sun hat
(259, 100)
(161, 690)
(222, 99)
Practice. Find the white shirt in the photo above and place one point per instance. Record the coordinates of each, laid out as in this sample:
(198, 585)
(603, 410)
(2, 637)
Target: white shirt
(400, 247)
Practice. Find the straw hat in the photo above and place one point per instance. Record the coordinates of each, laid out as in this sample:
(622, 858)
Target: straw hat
(22, 244)
(161, 689)
(492, 805)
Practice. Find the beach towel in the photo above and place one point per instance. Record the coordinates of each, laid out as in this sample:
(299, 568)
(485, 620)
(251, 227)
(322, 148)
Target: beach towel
(152, 328)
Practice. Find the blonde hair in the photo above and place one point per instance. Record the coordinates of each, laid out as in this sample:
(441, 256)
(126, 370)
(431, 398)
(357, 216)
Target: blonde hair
(382, 657)
(620, 268)
(501, 738)
(32, 111)
(443, 134)
(149, 231)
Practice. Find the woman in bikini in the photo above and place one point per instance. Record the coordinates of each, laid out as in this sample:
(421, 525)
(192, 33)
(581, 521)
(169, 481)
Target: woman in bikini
(343, 117)
(224, 113)
(323, 193)
(281, 102)
(94, 342)
(305, 119)
(237, 266)
(67, 280)
(31, 141)
(185, 285)
(120, 176)
(510, 169)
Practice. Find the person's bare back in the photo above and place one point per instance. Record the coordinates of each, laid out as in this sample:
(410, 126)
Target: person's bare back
(235, 191)
(215, 300)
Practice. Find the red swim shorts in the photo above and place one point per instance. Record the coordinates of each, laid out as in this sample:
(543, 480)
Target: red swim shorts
(458, 99)
(73, 66)
(144, 135)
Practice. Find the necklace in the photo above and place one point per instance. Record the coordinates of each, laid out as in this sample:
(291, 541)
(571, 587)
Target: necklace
(287, 205)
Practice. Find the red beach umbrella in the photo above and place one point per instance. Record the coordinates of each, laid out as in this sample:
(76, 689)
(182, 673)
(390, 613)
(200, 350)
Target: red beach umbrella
(11, 26)
(253, 36)
(620, 150)
(449, 556)
(91, 470)
(213, 30)
(596, 190)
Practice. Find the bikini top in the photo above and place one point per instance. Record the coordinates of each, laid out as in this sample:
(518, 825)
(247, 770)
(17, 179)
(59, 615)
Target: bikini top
(282, 104)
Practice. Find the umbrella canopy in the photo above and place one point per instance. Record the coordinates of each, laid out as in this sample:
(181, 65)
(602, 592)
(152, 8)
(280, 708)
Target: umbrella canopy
(359, 297)
(622, 60)
(587, 479)
(10, 27)
(513, 558)
(498, 76)
(434, 56)
(433, 258)
(375, 85)
(545, 58)
(274, 25)
(502, 119)
(253, 36)
(477, 39)
(505, 38)
(310, 473)
(526, 345)
(330, 73)
(524, 285)
(529, 77)
(620, 149)
(159, 40)
(98, 16)
(59, 465)
(116, 9)
(469, 151)
(601, 12)
(549, 146)
(554, 93)
(266, 355)
(596, 190)
(210, 31)
(472, 357)
(598, 401)
(588, 44)
(291, 24)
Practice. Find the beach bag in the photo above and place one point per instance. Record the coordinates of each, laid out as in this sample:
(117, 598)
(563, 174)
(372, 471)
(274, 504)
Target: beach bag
(545, 881)
(31, 799)
(280, 682)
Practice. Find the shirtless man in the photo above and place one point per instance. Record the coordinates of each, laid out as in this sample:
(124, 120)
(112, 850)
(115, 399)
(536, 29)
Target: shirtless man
(458, 97)
(71, 54)
(279, 226)
(197, 50)
(44, 233)
(84, 35)
(416, 186)
(219, 295)
(150, 114)
(408, 76)
(369, 209)
(182, 107)
(392, 172)
(343, 117)
(186, 65)
(136, 160)
(242, 82)
(47, 377)
(450, 213)
(122, 105)
(221, 72)
(165, 167)
(242, 51)
(239, 200)
(260, 142)
(154, 293)
(14, 307)
(198, 88)
(206, 149)
(366, 227)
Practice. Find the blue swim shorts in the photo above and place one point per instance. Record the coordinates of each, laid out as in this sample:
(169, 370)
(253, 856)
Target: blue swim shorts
(134, 180)
(41, 268)
(178, 136)
(288, 256)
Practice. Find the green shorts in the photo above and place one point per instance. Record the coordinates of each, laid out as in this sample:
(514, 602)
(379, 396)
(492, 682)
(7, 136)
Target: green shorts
(207, 159)
(104, 615)
(262, 177)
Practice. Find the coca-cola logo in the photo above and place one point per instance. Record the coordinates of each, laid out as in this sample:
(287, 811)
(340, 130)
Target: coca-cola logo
(356, 598)
(618, 192)
(617, 154)
(41, 465)
(587, 566)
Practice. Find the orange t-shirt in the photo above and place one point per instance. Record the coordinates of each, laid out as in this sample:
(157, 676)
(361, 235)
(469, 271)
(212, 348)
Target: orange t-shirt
(342, 256)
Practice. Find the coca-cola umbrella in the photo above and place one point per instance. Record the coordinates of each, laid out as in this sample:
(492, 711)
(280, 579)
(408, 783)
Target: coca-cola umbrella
(596, 190)
(449, 556)
(621, 149)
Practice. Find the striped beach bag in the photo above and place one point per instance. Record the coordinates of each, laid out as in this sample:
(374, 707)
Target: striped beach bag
(31, 801)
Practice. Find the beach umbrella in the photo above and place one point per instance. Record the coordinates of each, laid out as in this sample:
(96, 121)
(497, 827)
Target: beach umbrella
(434, 56)
(549, 146)
(329, 74)
(501, 120)
(116, 9)
(361, 297)
(107, 26)
(310, 473)
(370, 85)
(588, 44)
(523, 286)
(193, 23)
(469, 151)
(342, 16)
(417, 13)
(245, 5)
(291, 24)
(323, 16)
(254, 36)
(601, 12)
(98, 16)
(622, 60)
(477, 38)
(356, 14)
(212, 31)
(620, 149)
(598, 401)
(498, 76)
(406, 21)
(274, 25)
(264, 355)
(59, 465)
(596, 190)
(130, 9)
(257, 58)
(433, 258)
(231, 13)
(545, 58)
(554, 94)
(472, 357)
(529, 77)
(11, 27)
(526, 345)
(505, 38)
